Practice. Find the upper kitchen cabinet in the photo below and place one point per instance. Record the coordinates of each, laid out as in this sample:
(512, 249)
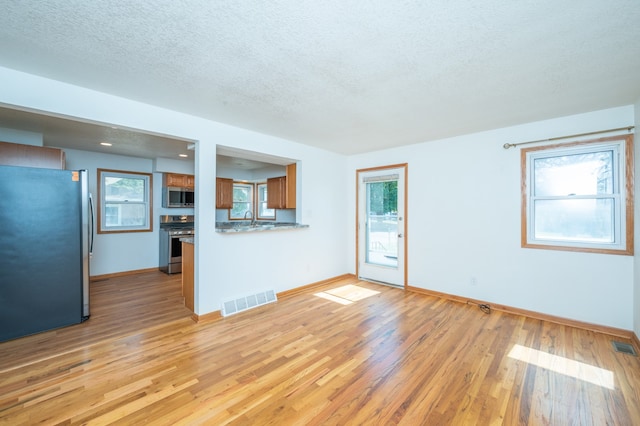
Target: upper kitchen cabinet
(281, 191)
(224, 193)
(179, 180)
(15, 154)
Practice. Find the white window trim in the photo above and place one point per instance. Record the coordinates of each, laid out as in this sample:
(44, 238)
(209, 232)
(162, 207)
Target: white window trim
(259, 202)
(148, 201)
(622, 195)
(251, 202)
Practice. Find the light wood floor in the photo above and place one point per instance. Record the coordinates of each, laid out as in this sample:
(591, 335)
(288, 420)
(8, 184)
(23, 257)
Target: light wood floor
(389, 358)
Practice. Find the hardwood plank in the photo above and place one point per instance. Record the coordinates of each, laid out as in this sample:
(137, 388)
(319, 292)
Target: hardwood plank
(394, 357)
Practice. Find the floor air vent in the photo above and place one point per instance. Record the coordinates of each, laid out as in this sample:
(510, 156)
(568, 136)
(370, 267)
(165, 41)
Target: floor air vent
(234, 306)
(625, 348)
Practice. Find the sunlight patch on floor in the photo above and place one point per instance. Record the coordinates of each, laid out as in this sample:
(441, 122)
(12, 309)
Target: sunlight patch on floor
(346, 294)
(562, 365)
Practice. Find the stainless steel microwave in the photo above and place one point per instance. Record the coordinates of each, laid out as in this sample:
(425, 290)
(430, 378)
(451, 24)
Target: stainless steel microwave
(178, 197)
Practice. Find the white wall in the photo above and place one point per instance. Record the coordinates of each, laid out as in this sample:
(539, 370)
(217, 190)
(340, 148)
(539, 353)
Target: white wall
(636, 275)
(226, 265)
(20, 136)
(251, 175)
(170, 165)
(282, 259)
(233, 173)
(464, 221)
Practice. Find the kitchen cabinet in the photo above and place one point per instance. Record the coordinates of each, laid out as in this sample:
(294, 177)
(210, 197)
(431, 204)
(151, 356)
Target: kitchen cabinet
(224, 193)
(281, 191)
(188, 274)
(276, 192)
(15, 154)
(179, 180)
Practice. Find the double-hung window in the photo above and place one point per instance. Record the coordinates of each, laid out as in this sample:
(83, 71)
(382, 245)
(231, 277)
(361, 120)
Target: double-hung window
(263, 211)
(125, 201)
(242, 201)
(579, 196)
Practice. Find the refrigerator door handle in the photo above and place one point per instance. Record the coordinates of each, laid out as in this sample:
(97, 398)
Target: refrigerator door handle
(87, 241)
(92, 231)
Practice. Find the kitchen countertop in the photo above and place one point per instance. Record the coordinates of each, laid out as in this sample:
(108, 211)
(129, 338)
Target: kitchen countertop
(188, 240)
(235, 227)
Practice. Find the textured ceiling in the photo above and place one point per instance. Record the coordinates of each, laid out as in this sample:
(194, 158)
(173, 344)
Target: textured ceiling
(347, 76)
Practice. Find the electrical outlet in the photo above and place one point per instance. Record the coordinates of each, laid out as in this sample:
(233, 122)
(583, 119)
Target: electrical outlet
(473, 281)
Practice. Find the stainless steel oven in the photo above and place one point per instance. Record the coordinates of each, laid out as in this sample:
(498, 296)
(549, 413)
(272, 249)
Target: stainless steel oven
(172, 229)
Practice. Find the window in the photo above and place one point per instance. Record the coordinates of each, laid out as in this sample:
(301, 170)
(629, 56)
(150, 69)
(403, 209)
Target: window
(263, 211)
(242, 201)
(125, 201)
(579, 196)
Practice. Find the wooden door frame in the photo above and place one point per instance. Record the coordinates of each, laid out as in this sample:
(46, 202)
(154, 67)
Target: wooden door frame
(404, 166)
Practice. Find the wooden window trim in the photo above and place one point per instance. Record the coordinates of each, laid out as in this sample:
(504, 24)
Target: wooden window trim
(628, 250)
(99, 229)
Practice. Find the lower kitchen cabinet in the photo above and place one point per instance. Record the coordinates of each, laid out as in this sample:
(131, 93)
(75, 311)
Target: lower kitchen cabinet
(187, 275)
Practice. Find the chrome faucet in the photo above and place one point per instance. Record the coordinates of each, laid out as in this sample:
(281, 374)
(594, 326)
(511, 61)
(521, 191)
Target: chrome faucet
(250, 215)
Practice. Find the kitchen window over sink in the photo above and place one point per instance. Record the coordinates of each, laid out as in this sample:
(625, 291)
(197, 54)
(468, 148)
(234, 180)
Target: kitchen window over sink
(242, 201)
(124, 201)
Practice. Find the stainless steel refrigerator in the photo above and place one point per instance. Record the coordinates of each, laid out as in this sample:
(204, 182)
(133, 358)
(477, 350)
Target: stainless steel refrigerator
(46, 236)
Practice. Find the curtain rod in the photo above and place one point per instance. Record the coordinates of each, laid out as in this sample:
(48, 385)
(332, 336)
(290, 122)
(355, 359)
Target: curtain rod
(510, 145)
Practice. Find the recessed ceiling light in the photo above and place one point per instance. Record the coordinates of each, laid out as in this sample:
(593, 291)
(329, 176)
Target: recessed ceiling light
(105, 144)
(183, 155)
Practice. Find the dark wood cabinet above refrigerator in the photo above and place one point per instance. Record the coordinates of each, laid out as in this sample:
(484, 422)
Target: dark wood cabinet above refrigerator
(16, 154)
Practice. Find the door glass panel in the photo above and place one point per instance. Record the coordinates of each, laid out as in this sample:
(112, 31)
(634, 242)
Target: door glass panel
(382, 223)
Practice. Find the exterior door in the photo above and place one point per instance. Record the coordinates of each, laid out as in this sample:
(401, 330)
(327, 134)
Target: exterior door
(382, 224)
